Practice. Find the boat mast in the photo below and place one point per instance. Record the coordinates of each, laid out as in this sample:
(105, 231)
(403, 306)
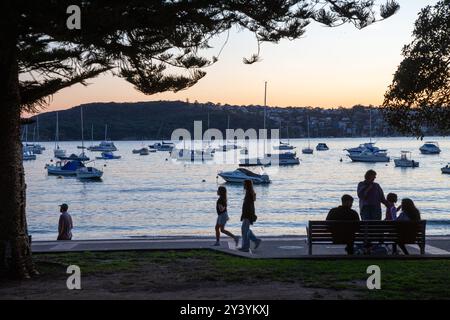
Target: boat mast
(92, 134)
(106, 131)
(309, 142)
(82, 131)
(265, 106)
(57, 132)
(37, 125)
(370, 124)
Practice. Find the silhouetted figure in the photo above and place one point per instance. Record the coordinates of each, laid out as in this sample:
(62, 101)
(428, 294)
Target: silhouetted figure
(65, 224)
(370, 197)
(409, 213)
(391, 210)
(248, 217)
(344, 213)
(222, 216)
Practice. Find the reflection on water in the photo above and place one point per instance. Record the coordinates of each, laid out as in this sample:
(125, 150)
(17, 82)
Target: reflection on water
(152, 196)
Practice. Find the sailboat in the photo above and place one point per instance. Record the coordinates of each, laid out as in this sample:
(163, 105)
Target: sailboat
(36, 148)
(27, 152)
(284, 145)
(308, 150)
(58, 152)
(82, 156)
(280, 159)
(229, 145)
(104, 145)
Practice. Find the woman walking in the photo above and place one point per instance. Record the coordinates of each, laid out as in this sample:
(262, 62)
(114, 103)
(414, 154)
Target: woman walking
(222, 216)
(248, 217)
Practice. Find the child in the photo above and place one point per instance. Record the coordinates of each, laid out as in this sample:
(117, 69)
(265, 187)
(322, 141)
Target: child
(221, 208)
(391, 211)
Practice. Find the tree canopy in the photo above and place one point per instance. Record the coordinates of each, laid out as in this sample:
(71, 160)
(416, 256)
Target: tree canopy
(419, 96)
(157, 45)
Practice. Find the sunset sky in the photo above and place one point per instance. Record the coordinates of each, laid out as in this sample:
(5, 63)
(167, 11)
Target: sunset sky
(329, 67)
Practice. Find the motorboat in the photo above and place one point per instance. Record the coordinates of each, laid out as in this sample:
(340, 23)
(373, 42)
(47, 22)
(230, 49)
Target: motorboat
(28, 155)
(284, 146)
(64, 168)
(89, 173)
(35, 148)
(142, 151)
(191, 155)
(430, 147)
(104, 146)
(446, 169)
(369, 156)
(405, 161)
(256, 162)
(163, 146)
(241, 174)
(81, 157)
(322, 147)
(363, 147)
(285, 159)
(108, 156)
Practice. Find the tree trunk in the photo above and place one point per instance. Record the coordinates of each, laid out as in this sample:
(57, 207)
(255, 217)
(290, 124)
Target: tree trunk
(15, 250)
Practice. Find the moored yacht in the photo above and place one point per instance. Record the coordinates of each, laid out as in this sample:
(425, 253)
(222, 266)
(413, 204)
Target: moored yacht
(284, 146)
(430, 147)
(240, 175)
(363, 147)
(104, 146)
(369, 156)
(163, 146)
(322, 147)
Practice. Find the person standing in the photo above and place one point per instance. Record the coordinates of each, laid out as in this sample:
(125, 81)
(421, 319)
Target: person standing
(248, 217)
(370, 197)
(65, 224)
(222, 216)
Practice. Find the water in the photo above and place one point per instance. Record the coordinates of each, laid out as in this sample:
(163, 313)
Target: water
(149, 196)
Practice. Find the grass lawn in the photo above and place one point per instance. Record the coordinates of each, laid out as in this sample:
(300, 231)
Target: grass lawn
(206, 274)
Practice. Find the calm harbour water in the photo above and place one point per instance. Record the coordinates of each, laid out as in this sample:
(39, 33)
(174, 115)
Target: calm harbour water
(147, 196)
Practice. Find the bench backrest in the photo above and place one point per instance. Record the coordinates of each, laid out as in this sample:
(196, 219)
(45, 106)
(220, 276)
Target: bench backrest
(341, 232)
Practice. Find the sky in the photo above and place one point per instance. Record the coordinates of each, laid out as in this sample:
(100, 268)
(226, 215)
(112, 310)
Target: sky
(328, 67)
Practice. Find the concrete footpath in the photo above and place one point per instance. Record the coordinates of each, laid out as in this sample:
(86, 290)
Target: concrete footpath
(271, 247)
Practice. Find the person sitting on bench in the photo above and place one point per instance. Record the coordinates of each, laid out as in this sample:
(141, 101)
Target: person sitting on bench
(409, 213)
(344, 213)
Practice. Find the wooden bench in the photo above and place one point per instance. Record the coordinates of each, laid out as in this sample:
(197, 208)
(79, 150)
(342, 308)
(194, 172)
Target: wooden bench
(366, 233)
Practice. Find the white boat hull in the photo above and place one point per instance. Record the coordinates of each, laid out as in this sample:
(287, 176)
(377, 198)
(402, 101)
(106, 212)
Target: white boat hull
(369, 159)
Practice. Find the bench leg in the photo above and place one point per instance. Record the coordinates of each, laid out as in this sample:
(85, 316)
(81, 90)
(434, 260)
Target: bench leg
(310, 248)
(422, 249)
